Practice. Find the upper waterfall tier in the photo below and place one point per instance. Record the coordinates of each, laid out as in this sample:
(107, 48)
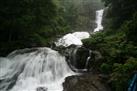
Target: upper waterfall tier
(76, 37)
(99, 17)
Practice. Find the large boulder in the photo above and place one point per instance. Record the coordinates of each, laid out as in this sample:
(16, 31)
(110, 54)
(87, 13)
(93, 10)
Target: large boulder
(87, 82)
(79, 58)
(83, 58)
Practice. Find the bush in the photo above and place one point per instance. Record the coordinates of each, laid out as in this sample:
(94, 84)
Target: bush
(95, 41)
(105, 68)
(121, 74)
(130, 28)
(119, 57)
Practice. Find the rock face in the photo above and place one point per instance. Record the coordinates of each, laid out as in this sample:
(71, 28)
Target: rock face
(83, 58)
(80, 58)
(88, 82)
(41, 89)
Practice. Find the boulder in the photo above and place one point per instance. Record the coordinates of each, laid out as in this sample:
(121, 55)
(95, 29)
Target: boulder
(79, 58)
(83, 58)
(86, 82)
(41, 89)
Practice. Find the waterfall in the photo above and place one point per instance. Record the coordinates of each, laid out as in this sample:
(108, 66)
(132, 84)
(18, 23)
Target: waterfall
(41, 69)
(29, 69)
(88, 59)
(99, 17)
(76, 37)
(72, 38)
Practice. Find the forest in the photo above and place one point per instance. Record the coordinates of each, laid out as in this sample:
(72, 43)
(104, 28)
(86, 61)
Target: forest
(37, 23)
(117, 43)
(32, 23)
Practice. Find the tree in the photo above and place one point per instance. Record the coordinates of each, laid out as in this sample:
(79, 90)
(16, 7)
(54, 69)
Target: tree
(23, 23)
(121, 10)
(21, 17)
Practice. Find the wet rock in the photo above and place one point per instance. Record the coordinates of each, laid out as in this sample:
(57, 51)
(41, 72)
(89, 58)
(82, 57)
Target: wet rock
(41, 89)
(81, 55)
(104, 76)
(87, 82)
(83, 58)
(79, 58)
(96, 59)
(106, 20)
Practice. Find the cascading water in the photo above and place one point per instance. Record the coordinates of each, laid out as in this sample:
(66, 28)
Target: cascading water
(76, 37)
(99, 17)
(72, 38)
(42, 67)
(88, 58)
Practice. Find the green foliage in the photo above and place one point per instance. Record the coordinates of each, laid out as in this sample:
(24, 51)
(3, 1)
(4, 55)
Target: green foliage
(121, 11)
(21, 18)
(105, 68)
(28, 23)
(94, 40)
(130, 28)
(122, 73)
(119, 44)
(119, 57)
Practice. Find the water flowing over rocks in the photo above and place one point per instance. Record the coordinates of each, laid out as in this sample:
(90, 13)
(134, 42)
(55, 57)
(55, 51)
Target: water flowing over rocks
(82, 59)
(36, 69)
(43, 69)
(72, 38)
(70, 46)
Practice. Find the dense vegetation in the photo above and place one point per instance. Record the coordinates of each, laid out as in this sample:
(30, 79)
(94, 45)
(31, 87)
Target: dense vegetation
(32, 23)
(117, 43)
(27, 23)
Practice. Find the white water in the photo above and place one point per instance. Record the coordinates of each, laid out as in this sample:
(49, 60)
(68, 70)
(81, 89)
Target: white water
(88, 58)
(72, 38)
(99, 16)
(76, 37)
(41, 68)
